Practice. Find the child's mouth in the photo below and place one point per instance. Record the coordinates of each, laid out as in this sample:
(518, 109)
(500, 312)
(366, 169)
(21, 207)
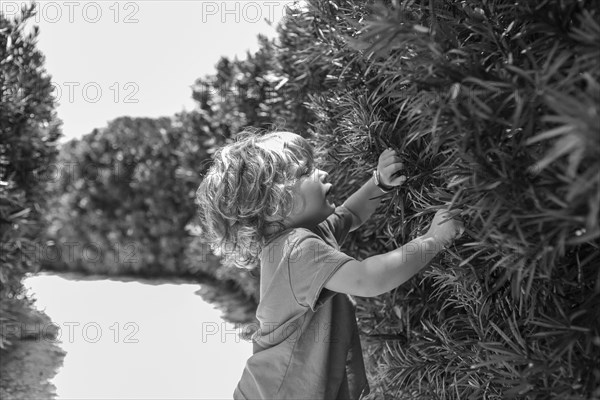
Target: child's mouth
(327, 197)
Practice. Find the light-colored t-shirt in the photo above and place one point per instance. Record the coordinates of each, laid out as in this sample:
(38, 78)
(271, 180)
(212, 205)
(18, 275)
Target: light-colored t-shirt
(308, 345)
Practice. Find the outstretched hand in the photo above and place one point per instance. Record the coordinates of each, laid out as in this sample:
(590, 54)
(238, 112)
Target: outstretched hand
(388, 167)
(444, 229)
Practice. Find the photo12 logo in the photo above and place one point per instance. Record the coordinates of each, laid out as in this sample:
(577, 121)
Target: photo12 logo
(75, 11)
(71, 331)
(246, 11)
(69, 172)
(84, 92)
(92, 92)
(88, 252)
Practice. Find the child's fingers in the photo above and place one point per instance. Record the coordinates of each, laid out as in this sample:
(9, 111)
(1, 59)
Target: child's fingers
(390, 171)
(388, 157)
(392, 168)
(386, 154)
(390, 164)
(398, 181)
(389, 161)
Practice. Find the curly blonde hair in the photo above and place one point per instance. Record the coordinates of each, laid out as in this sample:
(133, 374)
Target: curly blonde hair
(248, 192)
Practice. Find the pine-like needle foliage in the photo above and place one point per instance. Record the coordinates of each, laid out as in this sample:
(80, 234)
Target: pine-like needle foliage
(494, 106)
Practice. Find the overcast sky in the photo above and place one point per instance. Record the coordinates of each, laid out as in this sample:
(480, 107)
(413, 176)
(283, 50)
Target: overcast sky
(139, 58)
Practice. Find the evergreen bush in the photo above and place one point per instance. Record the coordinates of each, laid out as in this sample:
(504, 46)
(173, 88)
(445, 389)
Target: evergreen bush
(494, 108)
(126, 195)
(29, 130)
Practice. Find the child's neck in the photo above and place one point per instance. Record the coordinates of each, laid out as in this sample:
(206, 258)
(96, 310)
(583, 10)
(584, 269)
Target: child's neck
(310, 225)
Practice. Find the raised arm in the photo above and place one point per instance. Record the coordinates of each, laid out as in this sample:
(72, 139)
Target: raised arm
(365, 200)
(381, 273)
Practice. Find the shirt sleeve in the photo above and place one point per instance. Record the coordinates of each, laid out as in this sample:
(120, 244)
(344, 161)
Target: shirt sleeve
(339, 223)
(311, 263)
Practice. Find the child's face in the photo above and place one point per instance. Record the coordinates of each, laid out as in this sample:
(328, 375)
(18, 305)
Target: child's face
(311, 205)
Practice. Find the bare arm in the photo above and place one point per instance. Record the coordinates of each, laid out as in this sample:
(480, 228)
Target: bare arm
(382, 273)
(363, 203)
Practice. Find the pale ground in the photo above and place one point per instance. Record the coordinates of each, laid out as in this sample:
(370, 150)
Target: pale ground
(131, 339)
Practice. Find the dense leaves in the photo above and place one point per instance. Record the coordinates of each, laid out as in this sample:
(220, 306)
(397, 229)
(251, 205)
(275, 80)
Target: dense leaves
(29, 130)
(125, 194)
(494, 106)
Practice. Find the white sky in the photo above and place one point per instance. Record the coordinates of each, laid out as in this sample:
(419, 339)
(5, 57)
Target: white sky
(112, 58)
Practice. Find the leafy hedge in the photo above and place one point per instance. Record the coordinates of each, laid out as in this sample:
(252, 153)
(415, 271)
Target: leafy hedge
(29, 130)
(124, 195)
(494, 108)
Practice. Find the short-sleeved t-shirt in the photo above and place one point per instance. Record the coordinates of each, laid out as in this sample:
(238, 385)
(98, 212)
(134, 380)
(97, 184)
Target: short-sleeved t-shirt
(307, 345)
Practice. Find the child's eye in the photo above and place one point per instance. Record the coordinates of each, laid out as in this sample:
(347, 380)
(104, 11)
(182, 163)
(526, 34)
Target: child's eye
(304, 170)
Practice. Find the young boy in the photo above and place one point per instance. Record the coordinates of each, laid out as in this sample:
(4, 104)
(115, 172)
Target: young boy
(264, 201)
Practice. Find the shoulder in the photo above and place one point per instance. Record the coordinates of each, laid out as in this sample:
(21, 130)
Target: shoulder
(288, 242)
(293, 238)
(336, 227)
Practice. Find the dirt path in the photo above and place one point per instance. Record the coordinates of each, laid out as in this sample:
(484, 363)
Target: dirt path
(167, 358)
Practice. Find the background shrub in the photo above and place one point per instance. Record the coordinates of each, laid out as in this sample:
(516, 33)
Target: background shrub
(29, 130)
(125, 195)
